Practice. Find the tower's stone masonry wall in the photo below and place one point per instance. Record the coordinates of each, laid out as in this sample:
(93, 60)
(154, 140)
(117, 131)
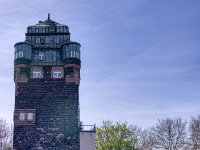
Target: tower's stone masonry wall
(56, 114)
(47, 78)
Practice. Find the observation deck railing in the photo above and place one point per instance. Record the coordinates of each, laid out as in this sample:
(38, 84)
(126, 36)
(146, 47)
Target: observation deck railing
(87, 128)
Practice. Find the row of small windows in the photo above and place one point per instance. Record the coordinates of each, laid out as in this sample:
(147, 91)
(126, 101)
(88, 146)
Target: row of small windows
(23, 50)
(45, 29)
(56, 73)
(52, 38)
(74, 54)
(49, 55)
(47, 40)
(71, 50)
(23, 47)
(19, 54)
(71, 54)
(46, 56)
(25, 116)
(23, 54)
(69, 47)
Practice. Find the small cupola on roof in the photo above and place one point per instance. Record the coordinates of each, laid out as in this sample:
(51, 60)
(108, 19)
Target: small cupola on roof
(48, 26)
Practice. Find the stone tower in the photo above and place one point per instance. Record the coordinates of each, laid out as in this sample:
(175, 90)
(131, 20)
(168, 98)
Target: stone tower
(47, 77)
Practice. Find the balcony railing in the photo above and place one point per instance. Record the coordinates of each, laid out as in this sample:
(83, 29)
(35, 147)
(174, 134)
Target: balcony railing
(87, 128)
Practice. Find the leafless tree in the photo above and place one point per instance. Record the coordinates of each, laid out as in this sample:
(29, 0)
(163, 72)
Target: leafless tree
(141, 138)
(136, 133)
(4, 132)
(148, 141)
(169, 134)
(194, 130)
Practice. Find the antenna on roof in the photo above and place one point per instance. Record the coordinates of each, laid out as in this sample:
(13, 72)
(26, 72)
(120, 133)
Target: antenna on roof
(48, 16)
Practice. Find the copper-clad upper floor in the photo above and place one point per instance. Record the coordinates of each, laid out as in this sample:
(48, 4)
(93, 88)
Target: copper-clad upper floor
(48, 27)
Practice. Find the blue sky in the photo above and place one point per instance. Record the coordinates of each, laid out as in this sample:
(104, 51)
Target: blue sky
(140, 58)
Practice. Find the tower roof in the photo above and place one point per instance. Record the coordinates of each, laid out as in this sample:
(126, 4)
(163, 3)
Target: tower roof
(48, 26)
(48, 21)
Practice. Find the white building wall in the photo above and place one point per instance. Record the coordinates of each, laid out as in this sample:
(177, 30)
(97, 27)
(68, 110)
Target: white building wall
(87, 140)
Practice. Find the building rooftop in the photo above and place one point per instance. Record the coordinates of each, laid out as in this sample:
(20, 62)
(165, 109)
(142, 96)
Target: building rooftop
(48, 26)
(47, 22)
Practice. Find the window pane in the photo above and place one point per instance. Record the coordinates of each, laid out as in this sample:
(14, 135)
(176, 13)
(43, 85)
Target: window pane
(57, 40)
(71, 53)
(21, 116)
(74, 53)
(67, 54)
(16, 55)
(57, 73)
(58, 28)
(54, 55)
(37, 73)
(43, 29)
(47, 40)
(33, 29)
(40, 29)
(30, 116)
(48, 56)
(46, 29)
(37, 40)
(61, 29)
(42, 40)
(41, 56)
(21, 54)
(36, 30)
(23, 46)
(77, 54)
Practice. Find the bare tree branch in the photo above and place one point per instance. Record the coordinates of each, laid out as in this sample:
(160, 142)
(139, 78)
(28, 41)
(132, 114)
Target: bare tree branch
(4, 132)
(194, 130)
(169, 134)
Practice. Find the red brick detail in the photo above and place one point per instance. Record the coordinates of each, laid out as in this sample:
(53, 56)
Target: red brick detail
(54, 68)
(75, 77)
(72, 80)
(19, 78)
(17, 121)
(72, 65)
(20, 65)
